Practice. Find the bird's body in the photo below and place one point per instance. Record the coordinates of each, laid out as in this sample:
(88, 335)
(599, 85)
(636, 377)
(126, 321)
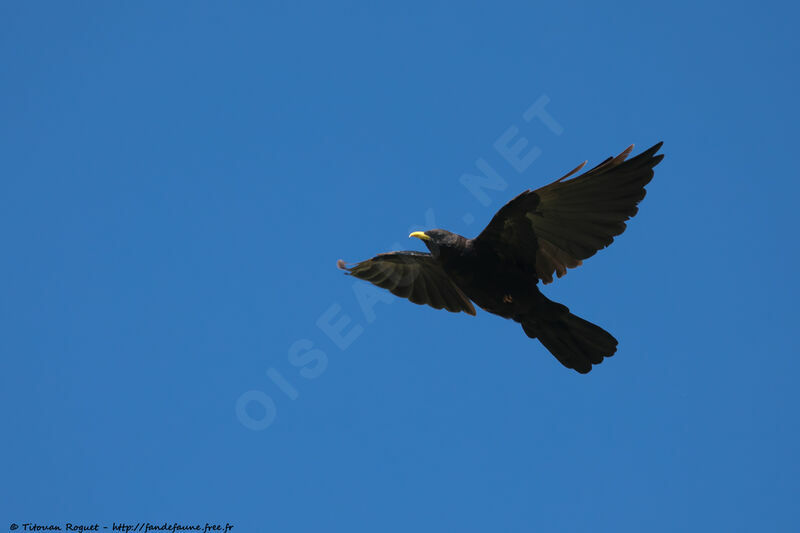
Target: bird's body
(495, 285)
(535, 235)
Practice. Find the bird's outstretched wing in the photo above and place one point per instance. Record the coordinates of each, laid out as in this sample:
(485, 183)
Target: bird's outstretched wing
(559, 225)
(413, 275)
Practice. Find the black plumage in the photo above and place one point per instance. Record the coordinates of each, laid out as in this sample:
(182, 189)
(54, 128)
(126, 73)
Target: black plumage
(537, 234)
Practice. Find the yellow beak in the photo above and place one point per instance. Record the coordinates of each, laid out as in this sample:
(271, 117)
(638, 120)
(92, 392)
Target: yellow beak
(420, 235)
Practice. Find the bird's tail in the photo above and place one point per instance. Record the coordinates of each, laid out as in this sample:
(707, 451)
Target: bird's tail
(575, 342)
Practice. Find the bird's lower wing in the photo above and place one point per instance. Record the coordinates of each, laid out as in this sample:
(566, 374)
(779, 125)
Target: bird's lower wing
(413, 275)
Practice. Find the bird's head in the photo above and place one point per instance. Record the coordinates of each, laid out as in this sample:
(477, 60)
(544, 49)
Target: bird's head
(439, 240)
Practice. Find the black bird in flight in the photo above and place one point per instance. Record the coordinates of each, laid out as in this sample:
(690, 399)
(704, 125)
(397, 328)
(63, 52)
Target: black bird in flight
(533, 236)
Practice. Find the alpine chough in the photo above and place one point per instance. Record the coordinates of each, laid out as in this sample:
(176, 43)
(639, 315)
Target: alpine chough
(537, 234)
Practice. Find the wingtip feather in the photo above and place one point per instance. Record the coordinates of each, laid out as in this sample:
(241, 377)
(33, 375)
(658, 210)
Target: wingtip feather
(573, 171)
(622, 157)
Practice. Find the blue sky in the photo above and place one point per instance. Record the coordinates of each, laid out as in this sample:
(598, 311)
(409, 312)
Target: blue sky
(178, 180)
